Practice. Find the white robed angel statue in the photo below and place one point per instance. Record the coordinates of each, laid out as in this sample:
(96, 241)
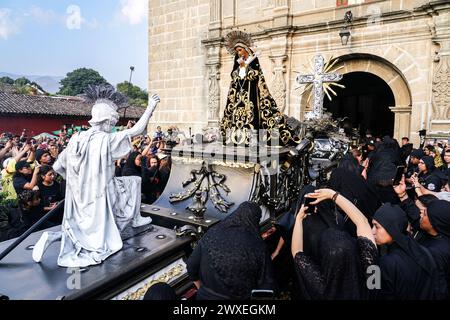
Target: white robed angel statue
(98, 205)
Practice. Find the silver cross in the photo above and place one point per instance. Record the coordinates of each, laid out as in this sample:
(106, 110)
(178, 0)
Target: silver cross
(318, 78)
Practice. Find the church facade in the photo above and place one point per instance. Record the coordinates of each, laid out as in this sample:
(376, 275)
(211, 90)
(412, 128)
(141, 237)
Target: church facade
(398, 49)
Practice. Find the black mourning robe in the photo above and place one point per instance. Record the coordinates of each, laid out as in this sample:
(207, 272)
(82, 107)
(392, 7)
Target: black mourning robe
(353, 187)
(408, 270)
(439, 215)
(342, 272)
(231, 259)
(251, 107)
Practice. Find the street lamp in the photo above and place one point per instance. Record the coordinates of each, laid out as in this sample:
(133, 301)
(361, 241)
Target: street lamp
(128, 92)
(345, 33)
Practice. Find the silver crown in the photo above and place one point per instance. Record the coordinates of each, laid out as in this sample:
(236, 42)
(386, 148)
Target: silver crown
(235, 38)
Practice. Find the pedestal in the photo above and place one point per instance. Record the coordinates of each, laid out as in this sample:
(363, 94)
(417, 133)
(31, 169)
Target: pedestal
(228, 176)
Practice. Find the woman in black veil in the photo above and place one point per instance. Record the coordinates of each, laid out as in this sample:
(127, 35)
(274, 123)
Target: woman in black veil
(250, 107)
(336, 268)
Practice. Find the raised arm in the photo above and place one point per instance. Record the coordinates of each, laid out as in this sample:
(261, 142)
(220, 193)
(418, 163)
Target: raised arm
(6, 149)
(297, 233)
(420, 189)
(141, 125)
(363, 228)
(20, 154)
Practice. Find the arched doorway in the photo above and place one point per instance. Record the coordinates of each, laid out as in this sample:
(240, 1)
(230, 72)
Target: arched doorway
(365, 101)
(390, 74)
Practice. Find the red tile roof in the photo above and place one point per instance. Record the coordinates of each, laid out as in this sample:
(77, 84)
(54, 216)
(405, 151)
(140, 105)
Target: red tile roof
(17, 104)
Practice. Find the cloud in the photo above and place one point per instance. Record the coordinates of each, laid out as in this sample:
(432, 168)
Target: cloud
(134, 11)
(8, 26)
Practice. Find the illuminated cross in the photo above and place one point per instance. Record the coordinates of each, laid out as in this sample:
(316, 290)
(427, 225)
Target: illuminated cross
(318, 79)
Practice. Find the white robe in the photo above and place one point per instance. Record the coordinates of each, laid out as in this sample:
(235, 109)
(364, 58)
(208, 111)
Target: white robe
(97, 205)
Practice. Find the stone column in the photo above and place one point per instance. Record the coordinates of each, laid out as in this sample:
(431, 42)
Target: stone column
(402, 124)
(281, 15)
(441, 78)
(215, 18)
(228, 13)
(213, 65)
(278, 89)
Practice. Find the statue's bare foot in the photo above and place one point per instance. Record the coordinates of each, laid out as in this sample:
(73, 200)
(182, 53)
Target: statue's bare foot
(46, 239)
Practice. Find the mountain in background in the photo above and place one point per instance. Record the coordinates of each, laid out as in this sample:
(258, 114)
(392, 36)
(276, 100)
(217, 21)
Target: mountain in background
(48, 83)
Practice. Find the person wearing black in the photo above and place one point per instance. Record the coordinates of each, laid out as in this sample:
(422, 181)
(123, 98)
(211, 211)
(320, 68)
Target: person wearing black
(231, 259)
(164, 172)
(160, 291)
(340, 273)
(11, 224)
(286, 223)
(427, 175)
(43, 157)
(133, 165)
(413, 165)
(382, 169)
(368, 149)
(353, 187)
(50, 192)
(151, 179)
(32, 209)
(446, 160)
(408, 205)
(408, 270)
(435, 221)
(406, 149)
(25, 178)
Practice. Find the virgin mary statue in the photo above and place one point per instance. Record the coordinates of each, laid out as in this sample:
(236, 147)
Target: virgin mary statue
(250, 108)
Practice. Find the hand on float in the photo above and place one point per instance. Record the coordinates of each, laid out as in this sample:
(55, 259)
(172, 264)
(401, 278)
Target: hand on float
(321, 195)
(302, 213)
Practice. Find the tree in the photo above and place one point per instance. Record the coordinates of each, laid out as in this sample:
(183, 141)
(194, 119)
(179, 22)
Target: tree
(78, 80)
(7, 80)
(20, 82)
(136, 96)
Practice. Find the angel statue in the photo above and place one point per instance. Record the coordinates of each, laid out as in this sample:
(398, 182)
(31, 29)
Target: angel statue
(250, 108)
(98, 206)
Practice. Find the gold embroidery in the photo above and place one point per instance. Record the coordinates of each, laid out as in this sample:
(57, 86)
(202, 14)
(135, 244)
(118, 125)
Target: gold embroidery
(239, 115)
(165, 277)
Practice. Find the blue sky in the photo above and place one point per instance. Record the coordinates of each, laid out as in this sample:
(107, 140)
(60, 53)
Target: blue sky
(54, 37)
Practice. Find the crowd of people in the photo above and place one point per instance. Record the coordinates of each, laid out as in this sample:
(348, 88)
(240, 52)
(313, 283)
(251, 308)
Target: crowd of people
(367, 221)
(30, 188)
(378, 229)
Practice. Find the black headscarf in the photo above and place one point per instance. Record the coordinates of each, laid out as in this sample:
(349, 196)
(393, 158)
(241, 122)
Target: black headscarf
(429, 163)
(287, 221)
(395, 221)
(383, 164)
(160, 291)
(439, 214)
(326, 216)
(350, 163)
(340, 265)
(353, 187)
(236, 249)
(130, 168)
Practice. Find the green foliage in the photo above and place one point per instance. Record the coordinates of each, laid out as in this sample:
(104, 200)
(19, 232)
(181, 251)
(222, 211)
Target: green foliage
(20, 82)
(136, 96)
(7, 80)
(9, 203)
(24, 90)
(78, 80)
(5, 206)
